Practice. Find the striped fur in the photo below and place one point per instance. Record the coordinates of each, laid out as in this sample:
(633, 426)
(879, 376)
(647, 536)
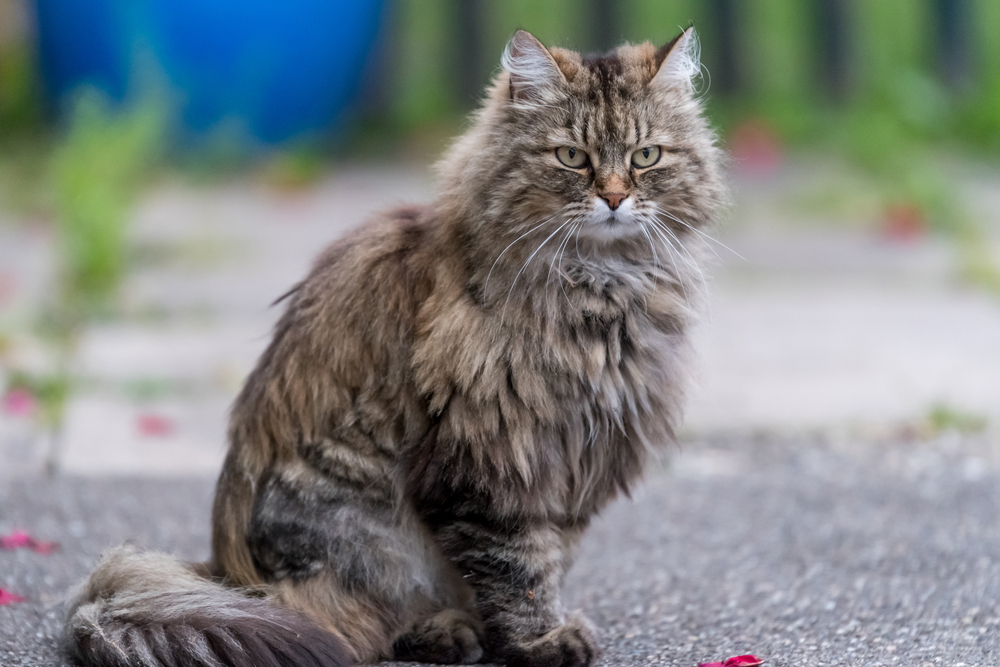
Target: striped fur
(452, 393)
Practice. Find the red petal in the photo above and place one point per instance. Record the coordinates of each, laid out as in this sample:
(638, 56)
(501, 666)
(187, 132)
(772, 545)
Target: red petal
(6, 597)
(743, 661)
(155, 425)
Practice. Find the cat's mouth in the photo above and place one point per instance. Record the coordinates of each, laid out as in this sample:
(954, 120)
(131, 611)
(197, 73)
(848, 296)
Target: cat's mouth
(610, 225)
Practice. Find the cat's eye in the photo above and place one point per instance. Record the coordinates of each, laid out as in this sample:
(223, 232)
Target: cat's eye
(573, 158)
(646, 157)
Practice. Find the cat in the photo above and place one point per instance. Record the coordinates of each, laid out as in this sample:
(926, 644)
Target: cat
(452, 394)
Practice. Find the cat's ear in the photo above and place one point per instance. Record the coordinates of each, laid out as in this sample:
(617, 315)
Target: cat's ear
(678, 62)
(534, 75)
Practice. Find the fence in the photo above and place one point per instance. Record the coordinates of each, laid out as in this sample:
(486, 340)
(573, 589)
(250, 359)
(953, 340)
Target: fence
(934, 63)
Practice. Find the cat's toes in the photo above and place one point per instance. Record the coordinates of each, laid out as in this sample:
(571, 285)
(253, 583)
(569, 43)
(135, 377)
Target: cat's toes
(448, 637)
(570, 645)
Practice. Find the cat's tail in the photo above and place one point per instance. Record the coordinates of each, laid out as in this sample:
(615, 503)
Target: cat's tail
(141, 609)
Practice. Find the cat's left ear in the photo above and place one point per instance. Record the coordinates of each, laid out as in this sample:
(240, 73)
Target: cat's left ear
(678, 62)
(534, 75)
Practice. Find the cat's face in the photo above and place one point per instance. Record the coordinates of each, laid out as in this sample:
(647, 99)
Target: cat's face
(611, 147)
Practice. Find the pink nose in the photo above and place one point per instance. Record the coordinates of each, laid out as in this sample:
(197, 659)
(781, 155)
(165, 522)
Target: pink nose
(614, 199)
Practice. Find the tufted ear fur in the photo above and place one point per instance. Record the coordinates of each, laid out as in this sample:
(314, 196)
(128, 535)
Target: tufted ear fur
(679, 62)
(534, 75)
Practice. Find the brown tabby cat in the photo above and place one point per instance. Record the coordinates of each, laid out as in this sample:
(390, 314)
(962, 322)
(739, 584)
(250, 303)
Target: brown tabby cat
(452, 393)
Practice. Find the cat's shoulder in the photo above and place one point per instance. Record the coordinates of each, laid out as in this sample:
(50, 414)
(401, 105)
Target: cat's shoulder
(384, 235)
(378, 267)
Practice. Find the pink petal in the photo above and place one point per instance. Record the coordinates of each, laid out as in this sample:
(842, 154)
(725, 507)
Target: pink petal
(905, 222)
(19, 402)
(6, 597)
(736, 661)
(155, 425)
(44, 548)
(19, 539)
(14, 540)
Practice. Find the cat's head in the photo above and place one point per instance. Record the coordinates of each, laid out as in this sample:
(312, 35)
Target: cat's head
(612, 145)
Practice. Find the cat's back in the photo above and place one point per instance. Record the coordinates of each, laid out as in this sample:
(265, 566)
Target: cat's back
(346, 329)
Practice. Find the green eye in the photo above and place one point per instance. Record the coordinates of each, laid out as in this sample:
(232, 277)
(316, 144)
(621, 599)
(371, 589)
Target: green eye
(573, 158)
(645, 157)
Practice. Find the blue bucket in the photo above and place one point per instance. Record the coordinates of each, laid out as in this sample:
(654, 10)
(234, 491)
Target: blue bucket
(273, 69)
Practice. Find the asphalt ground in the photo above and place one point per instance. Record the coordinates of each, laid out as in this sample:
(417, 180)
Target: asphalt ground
(805, 550)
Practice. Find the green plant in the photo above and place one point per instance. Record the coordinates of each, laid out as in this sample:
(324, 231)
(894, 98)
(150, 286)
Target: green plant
(97, 171)
(943, 417)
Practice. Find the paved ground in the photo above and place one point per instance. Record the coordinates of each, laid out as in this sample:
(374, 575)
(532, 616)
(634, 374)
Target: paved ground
(803, 551)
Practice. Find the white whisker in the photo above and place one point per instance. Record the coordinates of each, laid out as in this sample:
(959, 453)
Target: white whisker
(503, 313)
(671, 251)
(579, 225)
(487, 283)
(696, 230)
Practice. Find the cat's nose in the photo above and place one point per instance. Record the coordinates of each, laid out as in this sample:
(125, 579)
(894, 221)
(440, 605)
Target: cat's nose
(614, 199)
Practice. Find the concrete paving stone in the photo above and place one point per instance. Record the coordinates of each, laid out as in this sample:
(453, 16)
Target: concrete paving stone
(105, 435)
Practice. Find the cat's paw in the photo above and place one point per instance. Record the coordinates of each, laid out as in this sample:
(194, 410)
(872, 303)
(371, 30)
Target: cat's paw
(572, 644)
(449, 637)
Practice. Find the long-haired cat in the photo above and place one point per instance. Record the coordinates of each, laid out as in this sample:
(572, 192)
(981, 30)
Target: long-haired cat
(452, 393)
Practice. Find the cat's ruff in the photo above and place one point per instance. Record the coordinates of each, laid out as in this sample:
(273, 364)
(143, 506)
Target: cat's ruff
(452, 393)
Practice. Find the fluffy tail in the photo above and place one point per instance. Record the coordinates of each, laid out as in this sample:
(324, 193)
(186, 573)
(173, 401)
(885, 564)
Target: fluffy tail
(151, 610)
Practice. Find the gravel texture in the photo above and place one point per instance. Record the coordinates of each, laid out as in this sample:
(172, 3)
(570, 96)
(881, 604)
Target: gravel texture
(803, 551)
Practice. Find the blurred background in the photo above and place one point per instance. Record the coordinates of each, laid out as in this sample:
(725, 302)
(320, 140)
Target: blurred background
(169, 167)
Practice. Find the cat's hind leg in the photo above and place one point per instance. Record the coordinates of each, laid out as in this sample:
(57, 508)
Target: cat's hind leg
(345, 550)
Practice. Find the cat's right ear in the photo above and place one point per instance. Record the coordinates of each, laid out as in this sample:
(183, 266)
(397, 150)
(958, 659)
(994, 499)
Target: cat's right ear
(534, 75)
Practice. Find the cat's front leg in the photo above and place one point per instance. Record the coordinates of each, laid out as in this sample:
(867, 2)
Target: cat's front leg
(515, 565)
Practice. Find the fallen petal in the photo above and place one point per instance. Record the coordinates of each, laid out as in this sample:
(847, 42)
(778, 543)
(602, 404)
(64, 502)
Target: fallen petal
(155, 425)
(44, 548)
(14, 540)
(6, 597)
(735, 661)
(20, 539)
(19, 402)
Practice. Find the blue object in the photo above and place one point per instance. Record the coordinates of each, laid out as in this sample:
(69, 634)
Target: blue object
(277, 69)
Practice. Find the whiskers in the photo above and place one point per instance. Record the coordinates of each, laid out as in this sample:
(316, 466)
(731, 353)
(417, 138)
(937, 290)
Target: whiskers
(569, 222)
(672, 259)
(663, 211)
(687, 271)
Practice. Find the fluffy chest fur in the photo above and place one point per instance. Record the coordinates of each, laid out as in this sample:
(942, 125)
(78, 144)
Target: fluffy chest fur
(562, 392)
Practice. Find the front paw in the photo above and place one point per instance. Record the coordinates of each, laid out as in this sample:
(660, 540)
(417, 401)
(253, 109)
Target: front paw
(570, 645)
(449, 637)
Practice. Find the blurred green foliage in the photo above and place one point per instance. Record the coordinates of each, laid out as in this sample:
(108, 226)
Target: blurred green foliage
(98, 169)
(942, 417)
(51, 392)
(19, 100)
(896, 95)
